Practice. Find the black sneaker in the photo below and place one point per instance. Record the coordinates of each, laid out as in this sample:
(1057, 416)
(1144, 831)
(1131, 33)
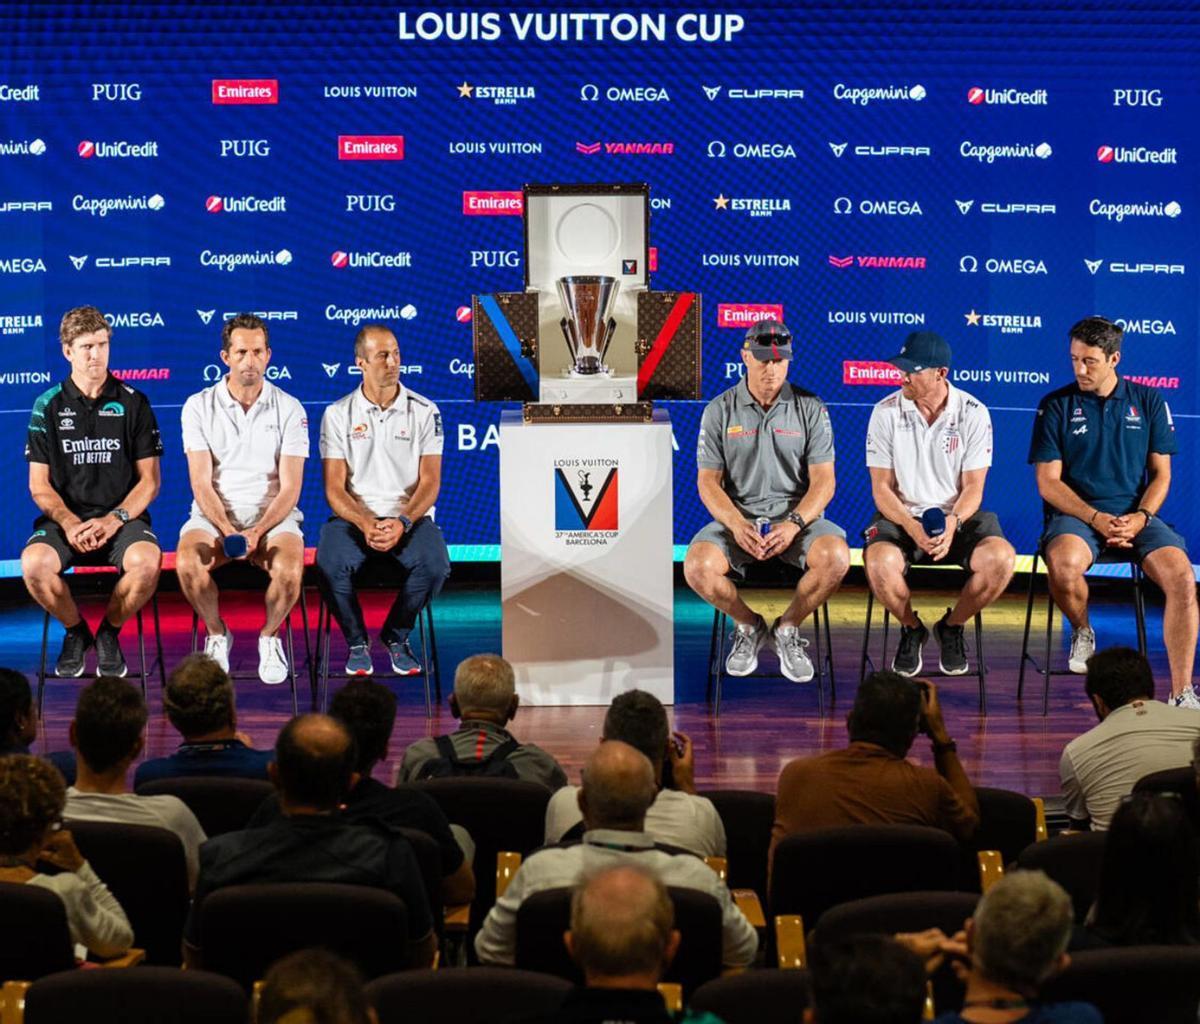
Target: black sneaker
(109, 659)
(908, 655)
(72, 659)
(953, 643)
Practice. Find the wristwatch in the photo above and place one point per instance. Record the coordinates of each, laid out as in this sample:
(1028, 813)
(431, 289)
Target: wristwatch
(121, 514)
(1147, 513)
(405, 522)
(797, 519)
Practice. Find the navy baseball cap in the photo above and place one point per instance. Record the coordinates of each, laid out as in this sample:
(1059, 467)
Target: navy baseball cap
(769, 339)
(921, 351)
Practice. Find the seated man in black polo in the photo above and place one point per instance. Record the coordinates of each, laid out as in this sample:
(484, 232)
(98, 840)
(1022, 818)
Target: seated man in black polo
(313, 771)
(199, 703)
(1102, 449)
(368, 710)
(93, 451)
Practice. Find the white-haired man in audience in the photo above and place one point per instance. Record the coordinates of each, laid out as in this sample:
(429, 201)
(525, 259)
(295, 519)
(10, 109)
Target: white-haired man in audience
(618, 787)
(484, 701)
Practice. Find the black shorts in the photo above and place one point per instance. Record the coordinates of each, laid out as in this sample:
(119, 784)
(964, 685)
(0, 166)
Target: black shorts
(47, 531)
(969, 533)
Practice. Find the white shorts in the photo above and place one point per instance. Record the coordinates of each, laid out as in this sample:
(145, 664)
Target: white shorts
(291, 524)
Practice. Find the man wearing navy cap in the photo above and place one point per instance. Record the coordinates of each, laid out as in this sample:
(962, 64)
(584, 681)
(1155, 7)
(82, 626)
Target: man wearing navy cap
(929, 447)
(766, 450)
(1102, 447)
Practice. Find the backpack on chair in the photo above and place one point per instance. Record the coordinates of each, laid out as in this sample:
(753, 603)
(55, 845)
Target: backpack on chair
(495, 766)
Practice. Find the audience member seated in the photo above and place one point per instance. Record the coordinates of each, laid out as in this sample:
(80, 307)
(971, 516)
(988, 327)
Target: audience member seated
(1137, 735)
(199, 703)
(1148, 887)
(313, 772)
(618, 788)
(1016, 941)
(678, 817)
(313, 986)
(484, 701)
(368, 709)
(623, 938)
(871, 781)
(32, 794)
(866, 979)
(19, 722)
(107, 735)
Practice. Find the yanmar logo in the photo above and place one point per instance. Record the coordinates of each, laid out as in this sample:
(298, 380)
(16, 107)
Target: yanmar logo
(626, 148)
(370, 147)
(743, 314)
(878, 262)
(493, 204)
(1136, 155)
(977, 96)
(143, 373)
(242, 91)
(752, 207)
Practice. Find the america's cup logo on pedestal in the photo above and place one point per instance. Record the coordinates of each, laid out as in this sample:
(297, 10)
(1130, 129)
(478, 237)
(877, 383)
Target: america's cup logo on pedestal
(587, 326)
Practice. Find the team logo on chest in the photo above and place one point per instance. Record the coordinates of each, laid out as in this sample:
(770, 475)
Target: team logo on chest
(360, 432)
(950, 440)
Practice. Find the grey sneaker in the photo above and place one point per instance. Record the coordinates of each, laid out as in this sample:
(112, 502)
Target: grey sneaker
(794, 661)
(952, 644)
(747, 642)
(358, 661)
(403, 661)
(907, 661)
(1187, 699)
(1083, 646)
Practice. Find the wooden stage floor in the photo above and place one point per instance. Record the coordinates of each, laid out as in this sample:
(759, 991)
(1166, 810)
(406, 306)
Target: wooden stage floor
(765, 722)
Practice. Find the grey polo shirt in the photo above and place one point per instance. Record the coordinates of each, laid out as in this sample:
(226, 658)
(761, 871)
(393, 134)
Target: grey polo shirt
(765, 453)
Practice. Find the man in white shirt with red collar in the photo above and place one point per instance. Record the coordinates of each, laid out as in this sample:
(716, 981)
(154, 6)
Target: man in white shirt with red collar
(381, 448)
(246, 442)
(929, 447)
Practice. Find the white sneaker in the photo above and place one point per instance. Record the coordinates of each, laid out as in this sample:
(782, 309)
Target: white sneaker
(747, 642)
(1083, 646)
(272, 662)
(218, 648)
(794, 661)
(1187, 699)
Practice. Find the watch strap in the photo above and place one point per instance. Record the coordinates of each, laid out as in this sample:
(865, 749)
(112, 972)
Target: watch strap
(405, 522)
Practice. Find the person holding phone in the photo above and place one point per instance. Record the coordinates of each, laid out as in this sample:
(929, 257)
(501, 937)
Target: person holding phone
(929, 447)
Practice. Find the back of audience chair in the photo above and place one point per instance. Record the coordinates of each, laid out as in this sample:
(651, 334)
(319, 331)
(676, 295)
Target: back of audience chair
(220, 804)
(816, 870)
(748, 817)
(165, 995)
(246, 928)
(1181, 781)
(544, 916)
(34, 939)
(475, 995)
(1073, 861)
(754, 997)
(146, 870)
(1133, 985)
(429, 860)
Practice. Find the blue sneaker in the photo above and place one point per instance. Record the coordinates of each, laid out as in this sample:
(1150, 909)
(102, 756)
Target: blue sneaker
(403, 662)
(358, 661)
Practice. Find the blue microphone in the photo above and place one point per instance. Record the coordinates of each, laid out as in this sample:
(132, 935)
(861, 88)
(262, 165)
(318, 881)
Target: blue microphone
(934, 521)
(235, 545)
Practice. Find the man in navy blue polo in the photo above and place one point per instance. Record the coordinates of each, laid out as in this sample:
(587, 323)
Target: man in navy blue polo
(1102, 447)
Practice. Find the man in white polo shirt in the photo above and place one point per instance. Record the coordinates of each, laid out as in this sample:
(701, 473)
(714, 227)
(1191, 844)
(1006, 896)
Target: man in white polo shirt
(381, 448)
(929, 446)
(246, 442)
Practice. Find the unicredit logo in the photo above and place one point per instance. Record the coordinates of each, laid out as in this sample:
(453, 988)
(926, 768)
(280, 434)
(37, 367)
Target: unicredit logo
(245, 204)
(343, 260)
(977, 96)
(743, 314)
(493, 204)
(1136, 155)
(241, 91)
(370, 147)
(126, 150)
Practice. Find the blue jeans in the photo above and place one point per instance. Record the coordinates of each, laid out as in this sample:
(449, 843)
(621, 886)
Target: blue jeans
(423, 561)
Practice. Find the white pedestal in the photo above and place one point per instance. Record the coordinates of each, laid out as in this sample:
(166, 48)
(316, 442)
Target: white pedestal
(585, 577)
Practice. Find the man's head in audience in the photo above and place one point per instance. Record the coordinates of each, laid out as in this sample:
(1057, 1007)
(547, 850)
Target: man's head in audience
(867, 979)
(1117, 676)
(886, 712)
(485, 689)
(199, 700)
(618, 788)
(368, 710)
(314, 765)
(639, 719)
(314, 986)
(18, 717)
(622, 929)
(32, 795)
(107, 733)
(1018, 936)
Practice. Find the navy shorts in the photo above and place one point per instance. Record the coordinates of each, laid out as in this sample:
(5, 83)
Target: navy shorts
(47, 531)
(970, 532)
(1154, 535)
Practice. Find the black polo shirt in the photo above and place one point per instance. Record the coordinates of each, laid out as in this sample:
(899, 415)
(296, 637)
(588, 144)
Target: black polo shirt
(1103, 443)
(92, 446)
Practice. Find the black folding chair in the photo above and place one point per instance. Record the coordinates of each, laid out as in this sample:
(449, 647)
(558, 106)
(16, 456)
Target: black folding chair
(1181, 782)
(1073, 861)
(748, 818)
(476, 995)
(35, 940)
(165, 994)
(754, 997)
(220, 803)
(1133, 985)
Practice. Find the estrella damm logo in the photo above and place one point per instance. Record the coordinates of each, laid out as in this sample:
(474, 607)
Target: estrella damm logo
(585, 500)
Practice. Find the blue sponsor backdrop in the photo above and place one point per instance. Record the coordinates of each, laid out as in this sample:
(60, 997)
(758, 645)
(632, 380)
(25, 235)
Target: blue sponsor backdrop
(1024, 164)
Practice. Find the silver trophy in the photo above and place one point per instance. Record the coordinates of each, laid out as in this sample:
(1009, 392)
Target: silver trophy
(587, 326)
